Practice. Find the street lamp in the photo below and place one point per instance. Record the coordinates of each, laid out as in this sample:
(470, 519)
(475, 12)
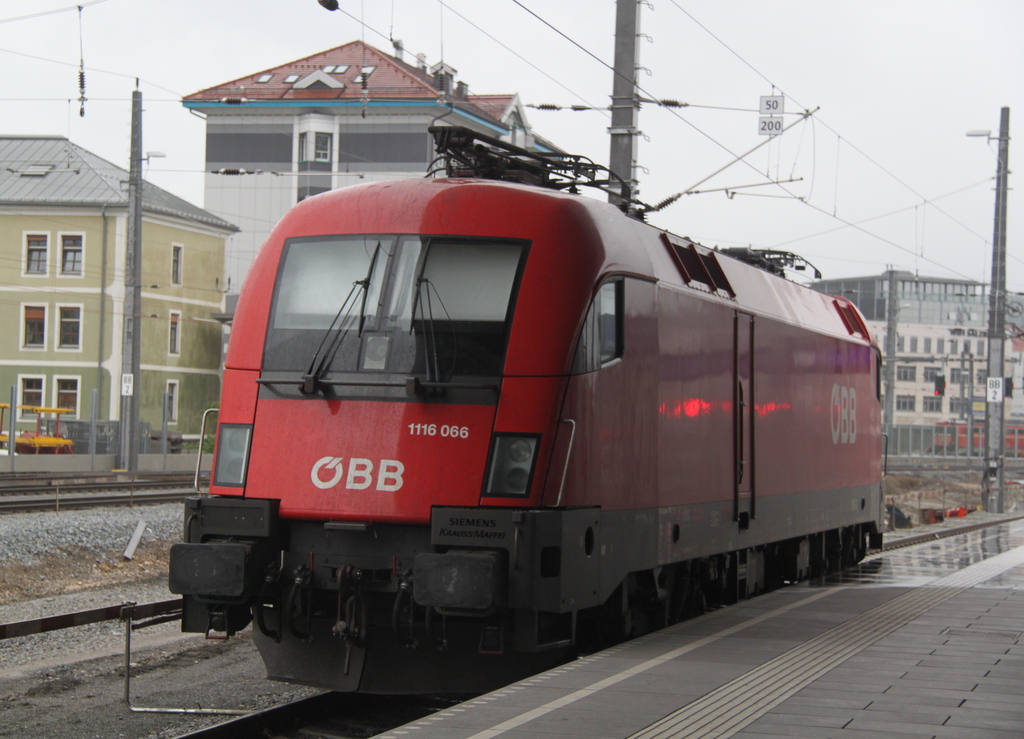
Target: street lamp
(995, 451)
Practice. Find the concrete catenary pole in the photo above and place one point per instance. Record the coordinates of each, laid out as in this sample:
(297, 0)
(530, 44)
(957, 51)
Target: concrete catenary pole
(995, 451)
(622, 157)
(131, 346)
(891, 316)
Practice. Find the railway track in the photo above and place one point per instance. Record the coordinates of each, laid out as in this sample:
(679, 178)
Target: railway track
(20, 494)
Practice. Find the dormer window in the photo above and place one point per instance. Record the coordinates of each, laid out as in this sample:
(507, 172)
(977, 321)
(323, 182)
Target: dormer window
(264, 78)
(291, 78)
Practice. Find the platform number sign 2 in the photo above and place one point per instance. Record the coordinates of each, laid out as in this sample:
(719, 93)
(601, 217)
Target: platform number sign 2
(843, 414)
(769, 122)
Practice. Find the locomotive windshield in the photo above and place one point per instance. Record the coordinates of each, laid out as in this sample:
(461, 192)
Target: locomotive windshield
(431, 307)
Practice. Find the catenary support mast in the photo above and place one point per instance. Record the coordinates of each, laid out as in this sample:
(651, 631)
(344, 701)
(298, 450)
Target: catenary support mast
(994, 453)
(622, 158)
(131, 347)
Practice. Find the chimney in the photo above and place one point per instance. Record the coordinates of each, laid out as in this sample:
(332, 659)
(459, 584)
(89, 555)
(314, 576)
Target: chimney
(444, 77)
(462, 91)
(421, 62)
(399, 49)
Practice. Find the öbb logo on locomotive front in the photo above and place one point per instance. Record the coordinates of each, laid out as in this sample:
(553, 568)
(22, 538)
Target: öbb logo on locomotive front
(360, 474)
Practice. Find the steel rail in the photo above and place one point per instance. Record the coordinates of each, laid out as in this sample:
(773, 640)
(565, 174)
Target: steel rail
(945, 533)
(75, 485)
(55, 500)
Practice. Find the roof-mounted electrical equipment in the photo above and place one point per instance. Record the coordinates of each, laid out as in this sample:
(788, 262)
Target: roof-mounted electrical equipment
(770, 260)
(465, 153)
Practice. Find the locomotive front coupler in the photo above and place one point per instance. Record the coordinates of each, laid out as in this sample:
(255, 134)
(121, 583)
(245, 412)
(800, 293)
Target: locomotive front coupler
(300, 584)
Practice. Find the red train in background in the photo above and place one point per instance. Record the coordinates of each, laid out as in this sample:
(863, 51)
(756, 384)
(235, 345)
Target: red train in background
(469, 425)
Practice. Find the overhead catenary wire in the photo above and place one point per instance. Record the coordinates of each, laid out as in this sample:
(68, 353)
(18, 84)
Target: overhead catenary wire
(737, 158)
(788, 192)
(519, 56)
(823, 122)
(42, 13)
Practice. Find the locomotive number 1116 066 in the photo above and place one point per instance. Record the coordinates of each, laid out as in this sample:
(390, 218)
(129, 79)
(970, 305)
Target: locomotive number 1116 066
(432, 429)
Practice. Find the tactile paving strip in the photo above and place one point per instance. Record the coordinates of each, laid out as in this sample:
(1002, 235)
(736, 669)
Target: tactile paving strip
(735, 705)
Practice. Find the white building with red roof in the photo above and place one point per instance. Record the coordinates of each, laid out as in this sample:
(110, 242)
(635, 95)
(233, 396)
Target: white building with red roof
(336, 118)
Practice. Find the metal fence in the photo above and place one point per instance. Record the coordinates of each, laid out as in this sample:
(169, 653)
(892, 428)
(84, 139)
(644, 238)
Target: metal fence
(951, 440)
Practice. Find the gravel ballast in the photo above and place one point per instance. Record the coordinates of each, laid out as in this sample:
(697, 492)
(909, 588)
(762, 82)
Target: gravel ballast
(69, 683)
(29, 537)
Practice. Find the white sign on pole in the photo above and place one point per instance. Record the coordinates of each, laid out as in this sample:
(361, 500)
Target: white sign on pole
(769, 123)
(995, 390)
(127, 385)
(769, 126)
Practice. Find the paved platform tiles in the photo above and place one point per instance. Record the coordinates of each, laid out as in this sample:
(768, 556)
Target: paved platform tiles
(858, 657)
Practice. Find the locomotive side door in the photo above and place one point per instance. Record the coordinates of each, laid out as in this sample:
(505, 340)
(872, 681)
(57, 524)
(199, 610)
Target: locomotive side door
(743, 419)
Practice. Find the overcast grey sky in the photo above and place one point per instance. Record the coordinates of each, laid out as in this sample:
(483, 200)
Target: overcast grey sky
(898, 84)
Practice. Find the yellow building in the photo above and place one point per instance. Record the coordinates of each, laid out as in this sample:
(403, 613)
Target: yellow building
(63, 237)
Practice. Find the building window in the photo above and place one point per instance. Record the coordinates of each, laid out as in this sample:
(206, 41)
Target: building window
(981, 347)
(957, 405)
(955, 375)
(931, 404)
(906, 374)
(940, 346)
(71, 254)
(952, 346)
(322, 150)
(66, 394)
(913, 345)
(927, 345)
(316, 147)
(34, 326)
(70, 327)
(31, 394)
(36, 248)
(982, 377)
(174, 344)
(172, 401)
(176, 251)
(899, 343)
(930, 373)
(905, 402)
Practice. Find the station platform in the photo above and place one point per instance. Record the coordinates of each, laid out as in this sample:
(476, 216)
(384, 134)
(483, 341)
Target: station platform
(916, 643)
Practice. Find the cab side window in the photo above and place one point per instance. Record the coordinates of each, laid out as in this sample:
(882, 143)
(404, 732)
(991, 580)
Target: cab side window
(601, 339)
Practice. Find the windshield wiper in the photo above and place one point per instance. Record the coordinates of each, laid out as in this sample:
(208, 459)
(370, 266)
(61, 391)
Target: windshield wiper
(431, 359)
(311, 380)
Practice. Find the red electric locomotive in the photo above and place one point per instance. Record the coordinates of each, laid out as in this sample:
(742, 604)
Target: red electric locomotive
(467, 424)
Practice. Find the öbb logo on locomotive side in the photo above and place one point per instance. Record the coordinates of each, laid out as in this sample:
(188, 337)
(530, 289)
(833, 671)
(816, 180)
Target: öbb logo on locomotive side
(360, 474)
(843, 414)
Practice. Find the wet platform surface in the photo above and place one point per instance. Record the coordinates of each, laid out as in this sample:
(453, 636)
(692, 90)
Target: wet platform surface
(918, 642)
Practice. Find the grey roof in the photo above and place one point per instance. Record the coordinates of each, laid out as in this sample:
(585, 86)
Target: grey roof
(50, 170)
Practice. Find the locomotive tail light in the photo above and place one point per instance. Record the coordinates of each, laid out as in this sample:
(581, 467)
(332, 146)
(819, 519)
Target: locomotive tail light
(510, 471)
(232, 454)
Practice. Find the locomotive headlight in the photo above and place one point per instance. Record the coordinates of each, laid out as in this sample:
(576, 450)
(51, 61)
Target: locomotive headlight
(520, 451)
(517, 478)
(511, 465)
(232, 454)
